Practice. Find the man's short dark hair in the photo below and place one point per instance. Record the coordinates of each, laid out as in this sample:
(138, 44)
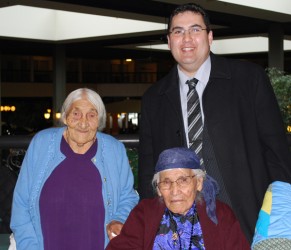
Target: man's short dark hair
(195, 8)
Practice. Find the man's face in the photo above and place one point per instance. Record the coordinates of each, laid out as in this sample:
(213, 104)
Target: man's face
(190, 50)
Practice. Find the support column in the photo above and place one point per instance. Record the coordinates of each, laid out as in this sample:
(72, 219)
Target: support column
(276, 46)
(31, 76)
(59, 83)
(115, 127)
(0, 93)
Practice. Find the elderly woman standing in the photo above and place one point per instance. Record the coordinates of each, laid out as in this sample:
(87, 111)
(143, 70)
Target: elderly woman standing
(185, 215)
(75, 187)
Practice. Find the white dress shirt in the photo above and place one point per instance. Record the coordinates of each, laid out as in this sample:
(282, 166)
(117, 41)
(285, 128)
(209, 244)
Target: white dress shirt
(203, 76)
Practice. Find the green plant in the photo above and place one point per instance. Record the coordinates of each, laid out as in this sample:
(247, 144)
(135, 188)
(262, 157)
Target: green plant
(281, 83)
(132, 155)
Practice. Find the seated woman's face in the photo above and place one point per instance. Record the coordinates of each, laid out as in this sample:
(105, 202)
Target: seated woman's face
(179, 189)
(82, 121)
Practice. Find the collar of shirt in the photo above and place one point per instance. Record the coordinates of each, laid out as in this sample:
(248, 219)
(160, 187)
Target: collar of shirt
(202, 75)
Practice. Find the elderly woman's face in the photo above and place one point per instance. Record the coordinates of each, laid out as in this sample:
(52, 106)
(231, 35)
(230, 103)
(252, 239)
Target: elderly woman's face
(82, 122)
(179, 198)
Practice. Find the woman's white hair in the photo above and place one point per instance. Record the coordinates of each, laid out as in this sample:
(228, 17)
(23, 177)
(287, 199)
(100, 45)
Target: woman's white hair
(91, 96)
(199, 173)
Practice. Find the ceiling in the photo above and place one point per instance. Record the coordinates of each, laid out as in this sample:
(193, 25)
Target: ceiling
(228, 21)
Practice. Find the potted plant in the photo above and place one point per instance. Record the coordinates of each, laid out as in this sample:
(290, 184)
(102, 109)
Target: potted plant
(281, 83)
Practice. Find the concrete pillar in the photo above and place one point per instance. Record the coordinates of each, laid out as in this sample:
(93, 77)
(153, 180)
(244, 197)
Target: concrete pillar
(0, 92)
(31, 69)
(80, 71)
(59, 83)
(115, 127)
(276, 46)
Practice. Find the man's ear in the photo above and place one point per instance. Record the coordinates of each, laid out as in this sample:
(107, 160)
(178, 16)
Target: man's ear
(210, 37)
(169, 42)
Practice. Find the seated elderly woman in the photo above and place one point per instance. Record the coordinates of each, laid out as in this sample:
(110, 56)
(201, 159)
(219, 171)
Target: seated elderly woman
(185, 215)
(75, 187)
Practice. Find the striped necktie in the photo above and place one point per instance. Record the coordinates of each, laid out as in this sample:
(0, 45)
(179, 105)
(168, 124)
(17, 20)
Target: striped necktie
(195, 125)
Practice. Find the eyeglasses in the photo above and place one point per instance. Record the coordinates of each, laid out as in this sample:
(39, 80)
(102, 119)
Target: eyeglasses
(180, 32)
(183, 181)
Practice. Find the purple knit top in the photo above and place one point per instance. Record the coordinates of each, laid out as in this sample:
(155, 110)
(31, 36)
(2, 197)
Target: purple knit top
(71, 205)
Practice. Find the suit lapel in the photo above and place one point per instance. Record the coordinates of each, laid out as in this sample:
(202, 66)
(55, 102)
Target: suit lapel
(171, 91)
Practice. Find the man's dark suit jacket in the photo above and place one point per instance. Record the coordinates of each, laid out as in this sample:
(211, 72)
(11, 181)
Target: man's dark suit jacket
(244, 125)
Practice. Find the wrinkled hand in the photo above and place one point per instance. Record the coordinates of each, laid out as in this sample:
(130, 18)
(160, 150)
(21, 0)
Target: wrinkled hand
(113, 229)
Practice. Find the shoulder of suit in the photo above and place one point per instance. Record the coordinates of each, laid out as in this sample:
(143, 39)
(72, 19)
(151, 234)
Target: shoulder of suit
(233, 63)
(162, 85)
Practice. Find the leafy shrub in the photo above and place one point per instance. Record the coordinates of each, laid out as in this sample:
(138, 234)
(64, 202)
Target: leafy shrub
(281, 83)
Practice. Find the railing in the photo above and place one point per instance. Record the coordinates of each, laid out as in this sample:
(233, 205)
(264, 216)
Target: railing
(86, 77)
(26, 76)
(14, 141)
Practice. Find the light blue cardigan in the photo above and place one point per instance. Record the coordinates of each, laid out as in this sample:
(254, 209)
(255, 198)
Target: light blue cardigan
(42, 157)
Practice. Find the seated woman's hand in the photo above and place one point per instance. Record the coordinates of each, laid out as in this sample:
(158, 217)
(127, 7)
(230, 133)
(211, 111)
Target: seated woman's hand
(113, 229)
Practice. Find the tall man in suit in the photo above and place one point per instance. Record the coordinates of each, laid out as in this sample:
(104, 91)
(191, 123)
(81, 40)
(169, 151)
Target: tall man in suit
(244, 144)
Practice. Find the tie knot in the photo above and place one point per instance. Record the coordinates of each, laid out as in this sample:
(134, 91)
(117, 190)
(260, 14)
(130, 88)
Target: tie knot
(192, 83)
